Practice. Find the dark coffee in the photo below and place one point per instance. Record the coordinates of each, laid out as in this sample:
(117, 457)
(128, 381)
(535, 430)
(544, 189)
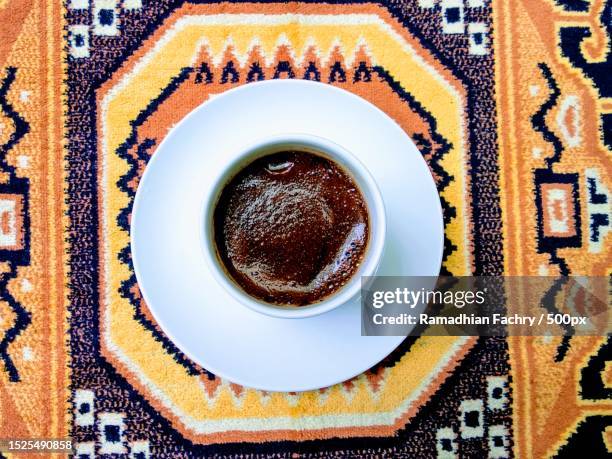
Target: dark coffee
(291, 228)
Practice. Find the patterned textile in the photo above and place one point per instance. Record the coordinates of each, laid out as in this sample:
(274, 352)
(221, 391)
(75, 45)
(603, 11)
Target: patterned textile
(510, 103)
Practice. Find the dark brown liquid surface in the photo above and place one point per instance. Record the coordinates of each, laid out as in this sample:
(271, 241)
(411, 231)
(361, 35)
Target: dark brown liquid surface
(291, 228)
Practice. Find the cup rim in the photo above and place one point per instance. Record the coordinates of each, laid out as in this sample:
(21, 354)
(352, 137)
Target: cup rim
(239, 159)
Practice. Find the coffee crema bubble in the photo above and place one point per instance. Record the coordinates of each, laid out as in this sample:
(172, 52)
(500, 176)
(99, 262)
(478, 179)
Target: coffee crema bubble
(291, 228)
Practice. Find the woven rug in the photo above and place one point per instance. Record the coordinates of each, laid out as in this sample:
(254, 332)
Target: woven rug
(510, 104)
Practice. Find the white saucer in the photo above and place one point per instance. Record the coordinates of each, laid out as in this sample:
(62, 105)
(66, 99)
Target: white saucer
(202, 319)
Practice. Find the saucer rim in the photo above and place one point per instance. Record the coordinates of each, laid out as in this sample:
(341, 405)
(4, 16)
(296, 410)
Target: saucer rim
(395, 341)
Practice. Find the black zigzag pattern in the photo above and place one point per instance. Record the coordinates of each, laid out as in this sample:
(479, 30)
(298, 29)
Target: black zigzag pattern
(18, 185)
(125, 256)
(425, 147)
(538, 121)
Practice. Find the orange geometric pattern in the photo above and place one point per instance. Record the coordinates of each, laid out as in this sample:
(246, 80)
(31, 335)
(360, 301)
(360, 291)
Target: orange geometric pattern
(33, 253)
(548, 389)
(511, 106)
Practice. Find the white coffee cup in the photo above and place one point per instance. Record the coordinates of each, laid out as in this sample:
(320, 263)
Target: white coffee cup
(352, 166)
